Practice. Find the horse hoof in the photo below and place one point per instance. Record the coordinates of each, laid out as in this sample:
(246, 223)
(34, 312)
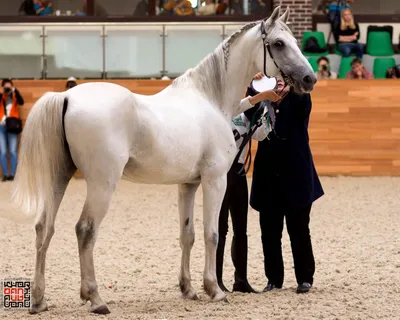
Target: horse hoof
(101, 310)
(39, 307)
(220, 296)
(191, 295)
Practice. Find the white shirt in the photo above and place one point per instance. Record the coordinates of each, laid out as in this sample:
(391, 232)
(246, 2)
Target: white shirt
(241, 128)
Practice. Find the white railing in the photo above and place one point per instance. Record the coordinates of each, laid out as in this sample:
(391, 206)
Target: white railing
(107, 50)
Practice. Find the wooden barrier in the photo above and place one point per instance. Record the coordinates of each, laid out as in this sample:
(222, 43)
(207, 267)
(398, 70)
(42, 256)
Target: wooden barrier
(354, 127)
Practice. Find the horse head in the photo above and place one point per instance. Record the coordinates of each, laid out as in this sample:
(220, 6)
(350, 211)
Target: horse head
(281, 54)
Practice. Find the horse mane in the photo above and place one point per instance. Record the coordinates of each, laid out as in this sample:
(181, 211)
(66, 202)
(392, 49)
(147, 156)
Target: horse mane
(209, 76)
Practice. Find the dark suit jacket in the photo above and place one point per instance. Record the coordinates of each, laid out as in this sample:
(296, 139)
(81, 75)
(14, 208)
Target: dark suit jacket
(283, 167)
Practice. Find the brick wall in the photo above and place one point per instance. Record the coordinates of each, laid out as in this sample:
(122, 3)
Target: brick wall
(300, 15)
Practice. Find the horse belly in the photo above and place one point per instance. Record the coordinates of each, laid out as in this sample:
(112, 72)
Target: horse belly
(160, 172)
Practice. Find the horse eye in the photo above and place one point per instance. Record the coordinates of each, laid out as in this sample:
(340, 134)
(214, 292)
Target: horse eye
(279, 44)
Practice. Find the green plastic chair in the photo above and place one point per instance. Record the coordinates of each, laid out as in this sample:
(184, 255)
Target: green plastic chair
(319, 35)
(381, 65)
(313, 62)
(379, 44)
(345, 66)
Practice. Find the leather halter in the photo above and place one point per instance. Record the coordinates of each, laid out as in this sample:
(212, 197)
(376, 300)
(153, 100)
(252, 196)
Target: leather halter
(266, 47)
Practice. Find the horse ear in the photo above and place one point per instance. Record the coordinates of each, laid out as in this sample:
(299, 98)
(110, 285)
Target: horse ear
(274, 16)
(285, 16)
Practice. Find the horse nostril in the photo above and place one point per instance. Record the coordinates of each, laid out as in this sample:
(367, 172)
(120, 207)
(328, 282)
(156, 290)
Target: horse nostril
(308, 80)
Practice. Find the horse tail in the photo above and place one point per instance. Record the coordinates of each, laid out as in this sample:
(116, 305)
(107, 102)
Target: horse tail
(42, 156)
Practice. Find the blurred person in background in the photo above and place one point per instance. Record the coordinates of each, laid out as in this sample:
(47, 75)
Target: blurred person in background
(358, 71)
(393, 73)
(42, 7)
(27, 8)
(71, 82)
(10, 99)
(347, 36)
(324, 69)
(207, 8)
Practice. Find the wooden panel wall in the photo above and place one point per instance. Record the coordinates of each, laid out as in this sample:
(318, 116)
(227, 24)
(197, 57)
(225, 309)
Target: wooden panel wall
(354, 127)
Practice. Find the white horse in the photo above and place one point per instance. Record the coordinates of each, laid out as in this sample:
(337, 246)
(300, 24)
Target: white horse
(182, 135)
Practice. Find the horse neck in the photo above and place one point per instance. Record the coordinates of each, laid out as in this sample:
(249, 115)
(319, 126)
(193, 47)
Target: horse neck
(241, 70)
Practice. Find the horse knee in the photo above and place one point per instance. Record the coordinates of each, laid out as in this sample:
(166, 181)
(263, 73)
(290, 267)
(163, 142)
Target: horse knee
(212, 239)
(187, 238)
(85, 232)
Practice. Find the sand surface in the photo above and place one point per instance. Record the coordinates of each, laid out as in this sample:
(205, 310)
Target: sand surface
(355, 230)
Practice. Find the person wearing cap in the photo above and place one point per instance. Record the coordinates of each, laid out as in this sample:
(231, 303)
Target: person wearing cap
(71, 82)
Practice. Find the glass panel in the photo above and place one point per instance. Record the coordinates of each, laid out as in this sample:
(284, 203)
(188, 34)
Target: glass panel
(74, 51)
(134, 52)
(187, 46)
(20, 52)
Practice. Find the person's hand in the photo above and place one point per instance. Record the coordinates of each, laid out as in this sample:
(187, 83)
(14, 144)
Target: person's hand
(270, 95)
(258, 76)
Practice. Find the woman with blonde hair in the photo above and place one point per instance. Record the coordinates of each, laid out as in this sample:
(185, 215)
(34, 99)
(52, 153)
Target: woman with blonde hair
(348, 34)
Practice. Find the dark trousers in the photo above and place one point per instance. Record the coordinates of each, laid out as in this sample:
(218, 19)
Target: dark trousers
(297, 224)
(236, 202)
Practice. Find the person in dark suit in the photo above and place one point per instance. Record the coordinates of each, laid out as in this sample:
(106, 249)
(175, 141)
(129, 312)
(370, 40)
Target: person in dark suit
(285, 184)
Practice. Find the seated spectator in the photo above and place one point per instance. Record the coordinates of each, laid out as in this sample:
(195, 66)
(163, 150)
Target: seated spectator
(223, 7)
(259, 7)
(142, 8)
(393, 73)
(334, 9)
(178, 7)
(27, 8)
(358, 71)
(99, 11)
(324, 69)
(42, 7)
(210, 8)
(71, 82)
(347, 36)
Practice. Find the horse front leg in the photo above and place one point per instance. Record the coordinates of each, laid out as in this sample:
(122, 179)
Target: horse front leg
(213, 195)
(186, 195)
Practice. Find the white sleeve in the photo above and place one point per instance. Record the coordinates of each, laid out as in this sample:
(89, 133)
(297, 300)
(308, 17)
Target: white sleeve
(245, 103)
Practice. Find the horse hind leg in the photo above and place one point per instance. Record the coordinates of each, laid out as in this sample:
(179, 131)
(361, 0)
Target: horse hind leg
(43, 238)
(186, 203)
(95, 208)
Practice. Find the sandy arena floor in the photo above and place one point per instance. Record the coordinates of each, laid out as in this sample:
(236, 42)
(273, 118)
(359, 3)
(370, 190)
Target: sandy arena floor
(356, 236)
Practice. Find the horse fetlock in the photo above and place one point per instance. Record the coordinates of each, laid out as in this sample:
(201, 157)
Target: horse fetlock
(212, 289)
(38, 307)
(87, 290)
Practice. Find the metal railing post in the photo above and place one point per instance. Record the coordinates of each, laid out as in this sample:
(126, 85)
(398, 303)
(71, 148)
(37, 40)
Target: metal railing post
(103, 41)
(163, 72)
(44, 56)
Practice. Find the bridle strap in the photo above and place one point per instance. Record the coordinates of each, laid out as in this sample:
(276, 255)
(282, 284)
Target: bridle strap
(243, 171)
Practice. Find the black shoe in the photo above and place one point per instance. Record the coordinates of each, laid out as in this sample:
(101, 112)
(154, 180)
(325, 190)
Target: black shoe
(222, 287)
(10, 178)
(5, 178)
(243, 286)
(271, 286)
(304, 287)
